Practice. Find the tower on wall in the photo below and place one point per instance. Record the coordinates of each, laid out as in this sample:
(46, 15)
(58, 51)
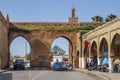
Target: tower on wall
(73, 18)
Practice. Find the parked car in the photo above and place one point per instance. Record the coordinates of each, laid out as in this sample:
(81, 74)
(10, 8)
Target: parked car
(19, 64)
(64, 65)
(67, 66)
(57, 66)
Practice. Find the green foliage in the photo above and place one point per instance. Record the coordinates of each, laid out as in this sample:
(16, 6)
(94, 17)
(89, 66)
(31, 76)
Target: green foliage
(27, 56)
(97, 19)
(27, 30)
(87, 27)
(110, 17)
(15, 29)
(15, 57)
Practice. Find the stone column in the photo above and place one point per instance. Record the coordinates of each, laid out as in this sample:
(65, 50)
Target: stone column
(79, 48)
(89, 59)
(0, 56)
(82, 58)
(82, 55)
(89, 52)
(98, 52)
(109, 52)
(98, 60)
(73, 62)
(83, 62)
(110, 64)
(80, 62)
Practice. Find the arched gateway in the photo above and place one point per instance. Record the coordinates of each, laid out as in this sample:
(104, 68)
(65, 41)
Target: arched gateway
(40, 36)
(40, 42)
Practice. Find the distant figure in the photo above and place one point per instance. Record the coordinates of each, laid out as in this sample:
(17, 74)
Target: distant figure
(57, 60)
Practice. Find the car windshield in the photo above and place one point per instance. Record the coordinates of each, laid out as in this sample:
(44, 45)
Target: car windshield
(19, 61)
(57, 63)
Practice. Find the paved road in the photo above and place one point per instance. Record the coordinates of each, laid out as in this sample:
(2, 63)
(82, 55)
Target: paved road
(45, 75)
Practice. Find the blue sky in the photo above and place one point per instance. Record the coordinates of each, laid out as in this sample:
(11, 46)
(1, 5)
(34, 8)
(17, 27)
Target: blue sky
(63, 43)
(55, 11)
(20, 45)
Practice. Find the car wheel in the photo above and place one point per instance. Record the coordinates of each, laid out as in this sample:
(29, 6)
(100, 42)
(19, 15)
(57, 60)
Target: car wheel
(66, 69)
(23, 68)
(14, 68)
(53, 69)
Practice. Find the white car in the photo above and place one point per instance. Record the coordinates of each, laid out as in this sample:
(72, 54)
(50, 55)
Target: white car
(69, 66)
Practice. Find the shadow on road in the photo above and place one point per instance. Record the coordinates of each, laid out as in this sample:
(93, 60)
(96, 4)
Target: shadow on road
(6, 76)
(39, 69)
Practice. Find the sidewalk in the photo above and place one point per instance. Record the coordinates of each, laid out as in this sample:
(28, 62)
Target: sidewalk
(2, 71)
(104, 75)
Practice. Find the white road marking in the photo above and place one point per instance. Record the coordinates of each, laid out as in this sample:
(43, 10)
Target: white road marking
(29, 75)
(40, 74)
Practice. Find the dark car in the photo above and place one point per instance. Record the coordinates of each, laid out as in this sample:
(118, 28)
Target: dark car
(57, 66)
(19, 64)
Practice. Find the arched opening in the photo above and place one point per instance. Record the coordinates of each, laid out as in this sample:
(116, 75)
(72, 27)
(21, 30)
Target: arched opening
(61, 50)
(20, 50)
(115, 49)
(86, 56)
(94, 52)
(104, 52)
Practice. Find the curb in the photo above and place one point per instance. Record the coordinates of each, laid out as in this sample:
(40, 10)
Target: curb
(100, 76)
(1, 71)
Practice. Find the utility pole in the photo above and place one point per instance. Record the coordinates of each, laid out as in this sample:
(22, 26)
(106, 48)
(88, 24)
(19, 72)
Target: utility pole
(25, 49)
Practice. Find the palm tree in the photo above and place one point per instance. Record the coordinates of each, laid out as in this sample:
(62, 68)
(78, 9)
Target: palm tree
(110, 17)
(97, 19)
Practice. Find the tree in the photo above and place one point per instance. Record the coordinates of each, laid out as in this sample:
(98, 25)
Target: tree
(110, 17)
(15, 57)
(27, 56)
(97, 19)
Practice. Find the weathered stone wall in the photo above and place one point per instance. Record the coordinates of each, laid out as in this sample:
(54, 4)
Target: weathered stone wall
(107, 32)
(3, 43)
(40, 41)
(40, 44)
(53, 24)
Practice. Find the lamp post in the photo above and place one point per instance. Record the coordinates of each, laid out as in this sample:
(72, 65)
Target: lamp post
(25, 49)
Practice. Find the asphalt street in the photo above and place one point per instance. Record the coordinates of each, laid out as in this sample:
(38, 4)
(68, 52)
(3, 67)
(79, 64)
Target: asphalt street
(38, 74)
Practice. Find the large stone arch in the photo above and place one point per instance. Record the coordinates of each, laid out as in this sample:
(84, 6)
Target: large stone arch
(104, 51)
(94, 52)
(115, 49)
(12, 38)
(40, 43)
(4, 61)
(86, 51)
(70, 46)
(37, 47)
(86, 56)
